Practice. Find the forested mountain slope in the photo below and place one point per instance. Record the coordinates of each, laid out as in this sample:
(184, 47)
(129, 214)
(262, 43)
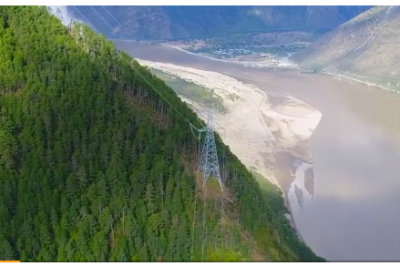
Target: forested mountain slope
(96, 166)
(172, 22)
(365, 48)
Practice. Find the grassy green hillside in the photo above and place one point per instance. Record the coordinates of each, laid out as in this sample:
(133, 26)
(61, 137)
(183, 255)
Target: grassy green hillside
(96, 166)
(190, 90)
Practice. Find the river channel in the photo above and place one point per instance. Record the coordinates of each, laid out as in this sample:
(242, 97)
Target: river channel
(354, 213)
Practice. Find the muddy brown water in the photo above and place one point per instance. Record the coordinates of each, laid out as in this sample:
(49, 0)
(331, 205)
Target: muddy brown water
(355, 211)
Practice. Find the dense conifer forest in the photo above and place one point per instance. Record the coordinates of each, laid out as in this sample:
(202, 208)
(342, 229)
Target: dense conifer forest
(96, 166)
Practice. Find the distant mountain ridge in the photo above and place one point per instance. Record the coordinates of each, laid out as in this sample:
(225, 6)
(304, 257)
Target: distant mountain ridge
(177, 22)
(365, 48)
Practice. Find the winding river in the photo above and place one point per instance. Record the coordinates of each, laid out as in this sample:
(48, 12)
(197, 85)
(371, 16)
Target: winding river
(355, 211)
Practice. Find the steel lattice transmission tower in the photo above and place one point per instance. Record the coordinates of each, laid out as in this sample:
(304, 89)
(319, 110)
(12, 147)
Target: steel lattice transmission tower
(209, 165)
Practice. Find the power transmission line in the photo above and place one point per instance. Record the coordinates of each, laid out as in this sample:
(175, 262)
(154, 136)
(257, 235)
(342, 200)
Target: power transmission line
(208, 165)
(101, 17)
(86, 20)
(112, 16)
(148, 83)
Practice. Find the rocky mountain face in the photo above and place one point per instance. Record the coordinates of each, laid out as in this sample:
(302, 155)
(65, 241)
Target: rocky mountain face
(366, 48)
(174, 22)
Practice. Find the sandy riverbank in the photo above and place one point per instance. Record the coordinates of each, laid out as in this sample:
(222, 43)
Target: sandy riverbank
(266, 133)
(355, 142)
